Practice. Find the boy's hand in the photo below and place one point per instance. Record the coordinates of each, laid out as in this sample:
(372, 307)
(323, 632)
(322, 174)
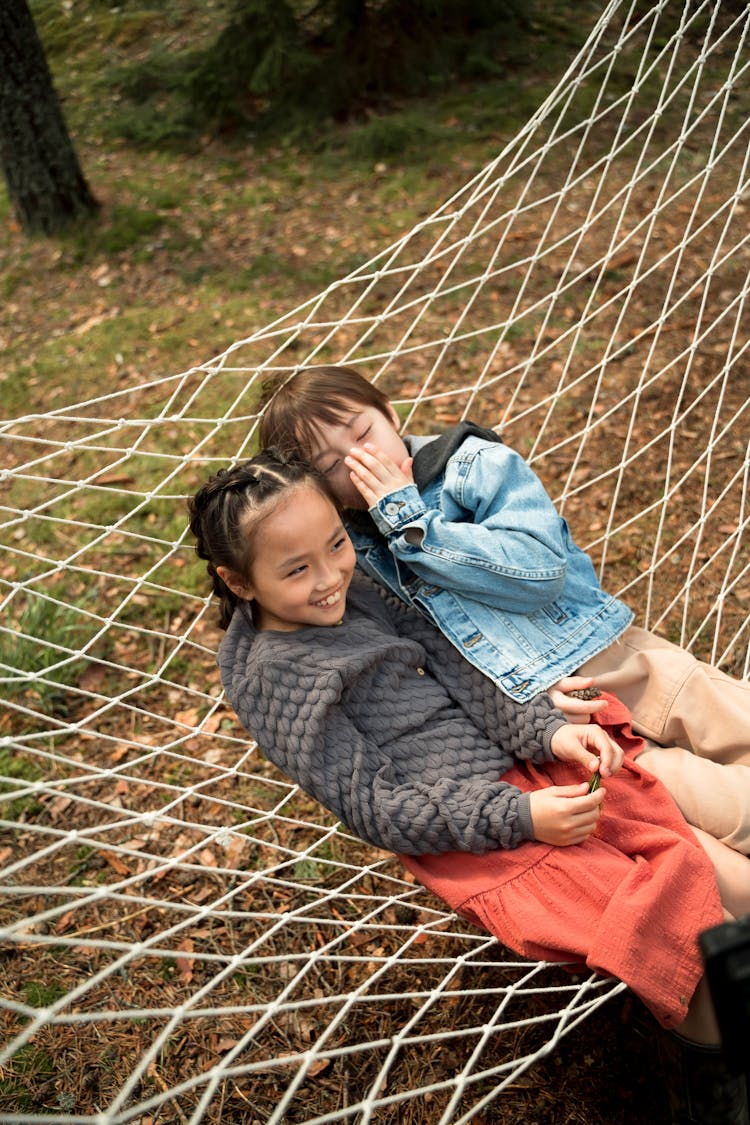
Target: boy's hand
(564, 814)
(374, 475)
(575, 710)
(590, 746)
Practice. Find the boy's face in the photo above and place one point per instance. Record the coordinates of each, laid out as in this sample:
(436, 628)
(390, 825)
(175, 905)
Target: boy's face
(333, 443)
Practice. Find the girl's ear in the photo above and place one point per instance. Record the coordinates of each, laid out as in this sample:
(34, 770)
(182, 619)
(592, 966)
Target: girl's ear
(236, 583)
(394, 418)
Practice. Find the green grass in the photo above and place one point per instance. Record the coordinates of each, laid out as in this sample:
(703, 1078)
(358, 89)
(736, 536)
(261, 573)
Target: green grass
(38, 635)
(127, 227)
(29, 1069)
(16, 767)
(42, 994)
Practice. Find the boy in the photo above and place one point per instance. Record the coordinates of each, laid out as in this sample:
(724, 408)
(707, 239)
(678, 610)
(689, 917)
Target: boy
(460, 527)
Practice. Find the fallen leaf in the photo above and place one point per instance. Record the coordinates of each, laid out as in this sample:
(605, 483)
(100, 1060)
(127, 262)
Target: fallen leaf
(185, 963)
(65, 922)
(115, 862)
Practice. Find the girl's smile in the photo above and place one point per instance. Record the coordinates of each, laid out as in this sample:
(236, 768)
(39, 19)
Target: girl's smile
(332, 599)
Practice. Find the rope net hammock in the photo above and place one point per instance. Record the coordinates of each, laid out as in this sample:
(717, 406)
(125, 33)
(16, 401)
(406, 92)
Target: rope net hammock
(586, 292)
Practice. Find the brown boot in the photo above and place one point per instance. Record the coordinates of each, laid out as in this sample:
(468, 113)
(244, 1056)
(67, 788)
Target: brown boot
(700, 1088)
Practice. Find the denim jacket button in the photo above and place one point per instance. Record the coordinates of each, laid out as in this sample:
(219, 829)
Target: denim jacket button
(392, 508)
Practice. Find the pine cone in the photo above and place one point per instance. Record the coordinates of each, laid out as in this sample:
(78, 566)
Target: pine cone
(585, 693)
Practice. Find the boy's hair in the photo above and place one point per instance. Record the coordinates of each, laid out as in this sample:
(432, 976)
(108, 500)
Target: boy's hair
(222, 509)
(313, 397)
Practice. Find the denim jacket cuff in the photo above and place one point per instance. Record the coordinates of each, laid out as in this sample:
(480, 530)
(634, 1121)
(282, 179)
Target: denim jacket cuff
(398, 509)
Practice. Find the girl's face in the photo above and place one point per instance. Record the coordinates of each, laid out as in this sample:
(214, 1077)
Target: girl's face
(303, 565)
(333, 443)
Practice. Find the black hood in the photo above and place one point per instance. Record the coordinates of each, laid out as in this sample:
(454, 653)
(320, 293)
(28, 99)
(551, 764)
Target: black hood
(430, 459)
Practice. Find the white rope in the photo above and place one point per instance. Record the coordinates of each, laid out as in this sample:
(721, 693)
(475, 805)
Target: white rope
(174, 910)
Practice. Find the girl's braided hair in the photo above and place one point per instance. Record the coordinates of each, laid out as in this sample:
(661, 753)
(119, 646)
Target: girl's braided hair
(221, 514)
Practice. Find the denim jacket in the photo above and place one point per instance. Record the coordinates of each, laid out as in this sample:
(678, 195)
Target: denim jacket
(482, 552)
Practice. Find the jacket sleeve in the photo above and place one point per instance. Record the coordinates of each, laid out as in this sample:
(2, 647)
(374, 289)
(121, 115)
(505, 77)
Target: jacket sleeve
(524, 729)
(495, 536)
(298, 722)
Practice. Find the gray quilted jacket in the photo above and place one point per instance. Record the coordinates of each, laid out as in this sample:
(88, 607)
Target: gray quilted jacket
(382, 721)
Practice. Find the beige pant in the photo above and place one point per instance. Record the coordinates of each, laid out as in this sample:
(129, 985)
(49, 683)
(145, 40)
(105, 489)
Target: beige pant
(696, 723)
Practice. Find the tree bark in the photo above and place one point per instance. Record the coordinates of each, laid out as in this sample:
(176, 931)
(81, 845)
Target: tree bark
(46, 186)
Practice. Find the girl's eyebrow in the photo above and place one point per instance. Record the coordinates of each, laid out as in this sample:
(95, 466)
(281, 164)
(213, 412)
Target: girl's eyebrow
(294, 560)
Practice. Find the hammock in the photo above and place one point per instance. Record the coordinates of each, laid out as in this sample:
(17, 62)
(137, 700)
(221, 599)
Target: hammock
(585, 292)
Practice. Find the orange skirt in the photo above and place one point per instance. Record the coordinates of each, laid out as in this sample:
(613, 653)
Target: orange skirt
(627, 903)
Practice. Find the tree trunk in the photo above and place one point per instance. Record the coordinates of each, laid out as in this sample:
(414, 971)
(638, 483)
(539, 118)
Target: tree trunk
(46, 186)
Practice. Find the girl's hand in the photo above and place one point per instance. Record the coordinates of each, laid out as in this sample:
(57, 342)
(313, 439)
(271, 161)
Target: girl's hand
(588, 745)
(374, 475)
(565, 814)
(575, 710)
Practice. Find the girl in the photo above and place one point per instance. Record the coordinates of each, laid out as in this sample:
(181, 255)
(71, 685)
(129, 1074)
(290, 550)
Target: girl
(376, 715)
